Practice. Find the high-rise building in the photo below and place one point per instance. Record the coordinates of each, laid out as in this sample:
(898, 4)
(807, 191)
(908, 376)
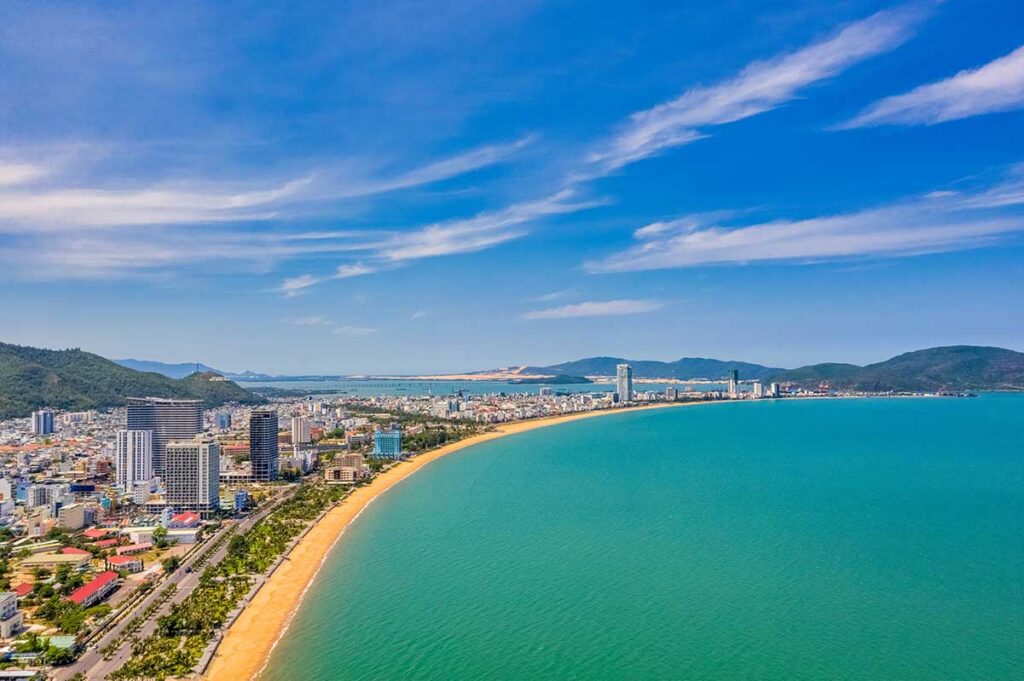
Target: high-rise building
(387, 444)
(168, 419)
(263, 444)
(192, 474)
(773, 390)
(42, 422)
(134, 456)
(223, 421)
(671, 393)
(301, 432)
(39, 495)
(624, 382)
(758, 390)
(734, 383)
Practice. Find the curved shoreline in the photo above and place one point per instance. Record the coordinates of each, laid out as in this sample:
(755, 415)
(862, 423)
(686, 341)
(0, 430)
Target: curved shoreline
(246, 647)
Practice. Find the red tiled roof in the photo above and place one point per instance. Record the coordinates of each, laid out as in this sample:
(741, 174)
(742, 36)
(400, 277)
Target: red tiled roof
(97, 532)
(107, 543)
(80, 594)
(72, 551)
(188, 517)
(23, 589)
(144, 546)
(122, 560)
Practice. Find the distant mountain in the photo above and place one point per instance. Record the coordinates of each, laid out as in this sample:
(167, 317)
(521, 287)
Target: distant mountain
(31, 378)
(170, 370)
(957, 367)
(685, 368)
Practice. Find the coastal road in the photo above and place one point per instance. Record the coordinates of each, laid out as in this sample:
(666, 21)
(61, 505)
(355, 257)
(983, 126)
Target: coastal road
(91, 662)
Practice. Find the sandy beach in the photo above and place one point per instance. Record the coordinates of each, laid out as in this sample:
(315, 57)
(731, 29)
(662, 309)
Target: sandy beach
(248, 643)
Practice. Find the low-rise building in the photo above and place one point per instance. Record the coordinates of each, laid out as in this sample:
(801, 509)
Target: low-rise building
(53, 560)
(11, 619)
(95, 591)
(132, 549)
(132, 564)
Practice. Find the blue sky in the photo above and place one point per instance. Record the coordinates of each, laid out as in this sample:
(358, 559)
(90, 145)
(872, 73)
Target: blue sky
(414, 186)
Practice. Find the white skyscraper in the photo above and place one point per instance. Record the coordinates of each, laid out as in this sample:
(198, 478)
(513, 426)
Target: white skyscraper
(300, 430)
(624, 382)
(192, 475)
(134, 458)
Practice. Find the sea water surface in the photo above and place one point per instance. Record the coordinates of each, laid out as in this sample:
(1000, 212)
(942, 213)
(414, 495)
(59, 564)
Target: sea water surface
(804, 539)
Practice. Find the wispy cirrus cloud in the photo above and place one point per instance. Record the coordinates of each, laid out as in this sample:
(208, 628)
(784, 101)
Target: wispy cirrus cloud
(592, 308)
(482, 230)
(760, 87)
(995, 87)
(313, 320)
(35, 197)
(295, 286)
(450, 237)
(937, 222)
(337, 328)
(349, 330)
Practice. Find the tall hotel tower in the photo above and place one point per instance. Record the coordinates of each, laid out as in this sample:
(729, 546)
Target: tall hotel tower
(624, 382)
(134, 457)
(263, 444)
(168, 419)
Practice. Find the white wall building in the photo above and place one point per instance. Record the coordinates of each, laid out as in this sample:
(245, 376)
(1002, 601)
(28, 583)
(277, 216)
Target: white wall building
(134, 458)
(11, 618)
(624, 382)
(192, 475)
(301, 431)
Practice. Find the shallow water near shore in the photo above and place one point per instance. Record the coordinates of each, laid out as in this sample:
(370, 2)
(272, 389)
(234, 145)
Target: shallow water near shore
(854, 539)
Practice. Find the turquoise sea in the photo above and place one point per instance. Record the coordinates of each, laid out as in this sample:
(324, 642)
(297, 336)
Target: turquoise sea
(822, 539)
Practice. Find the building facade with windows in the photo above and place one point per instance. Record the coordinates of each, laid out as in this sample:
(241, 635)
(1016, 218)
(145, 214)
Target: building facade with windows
(263, 450)
(387, 444)
(624, 382)
(192, 475)
(134, 456)
(168, 420)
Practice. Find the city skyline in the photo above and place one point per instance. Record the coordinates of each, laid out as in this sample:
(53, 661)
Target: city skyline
(407, 189)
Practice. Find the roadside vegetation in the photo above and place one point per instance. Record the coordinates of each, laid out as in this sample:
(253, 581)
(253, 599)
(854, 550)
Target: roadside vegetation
(183, 634)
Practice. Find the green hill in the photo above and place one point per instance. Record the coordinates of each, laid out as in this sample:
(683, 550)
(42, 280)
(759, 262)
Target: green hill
(957, 367)
(31, 378)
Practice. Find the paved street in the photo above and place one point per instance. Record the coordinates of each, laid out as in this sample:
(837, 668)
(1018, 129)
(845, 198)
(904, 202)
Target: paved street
(92, 663)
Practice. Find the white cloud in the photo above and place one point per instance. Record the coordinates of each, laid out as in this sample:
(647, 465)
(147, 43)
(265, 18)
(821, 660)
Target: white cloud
(354, 270)
(994, 87)
(346, 330)
(61, 204)
(19, 173)
(313, 320)
(556, 295)
(420, 314)
(326, 323)
(940, 221)
(294, 286)
(761, 86)
(479, 232)
(606, 308)
(451, 237)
